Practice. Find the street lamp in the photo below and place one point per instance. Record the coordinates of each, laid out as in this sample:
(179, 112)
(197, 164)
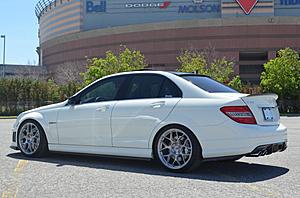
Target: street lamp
(3, 36)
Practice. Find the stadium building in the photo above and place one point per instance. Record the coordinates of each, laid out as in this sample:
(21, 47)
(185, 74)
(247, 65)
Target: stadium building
(246, 31)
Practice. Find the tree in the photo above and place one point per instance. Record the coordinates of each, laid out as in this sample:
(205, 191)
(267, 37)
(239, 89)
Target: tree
(282, 75)
(192, 61)
(69, 72)
(220, 69)
(236, 83)
(126, 60)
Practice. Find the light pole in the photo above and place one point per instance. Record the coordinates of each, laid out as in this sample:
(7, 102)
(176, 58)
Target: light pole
(3, 36)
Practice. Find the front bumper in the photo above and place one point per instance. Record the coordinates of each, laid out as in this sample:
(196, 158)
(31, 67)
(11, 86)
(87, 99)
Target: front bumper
(14, 147)
(14, 144)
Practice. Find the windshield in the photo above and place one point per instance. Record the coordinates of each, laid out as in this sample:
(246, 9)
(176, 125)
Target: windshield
(208, 84)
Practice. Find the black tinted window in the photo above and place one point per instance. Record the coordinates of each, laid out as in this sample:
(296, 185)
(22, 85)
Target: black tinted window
(169, 90)
(144, 86)
(209, 84)
(105, 90)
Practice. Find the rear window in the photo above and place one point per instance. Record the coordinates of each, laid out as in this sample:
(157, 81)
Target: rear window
(209, 84)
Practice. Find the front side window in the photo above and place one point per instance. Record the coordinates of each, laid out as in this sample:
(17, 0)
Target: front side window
(105, 90)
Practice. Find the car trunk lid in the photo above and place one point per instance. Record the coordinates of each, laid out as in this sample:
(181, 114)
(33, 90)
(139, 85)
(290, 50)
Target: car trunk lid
(264, 108)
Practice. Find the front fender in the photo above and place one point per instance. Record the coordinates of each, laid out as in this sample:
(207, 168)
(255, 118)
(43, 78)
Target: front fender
(50, 131)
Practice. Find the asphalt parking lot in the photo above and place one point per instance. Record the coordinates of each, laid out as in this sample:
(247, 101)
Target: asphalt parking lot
(64, 175)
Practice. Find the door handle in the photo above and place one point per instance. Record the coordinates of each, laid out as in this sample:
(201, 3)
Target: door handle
(157, 105)
(103, 108)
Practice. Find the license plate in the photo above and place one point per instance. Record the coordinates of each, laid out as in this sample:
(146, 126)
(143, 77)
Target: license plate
(268, 113)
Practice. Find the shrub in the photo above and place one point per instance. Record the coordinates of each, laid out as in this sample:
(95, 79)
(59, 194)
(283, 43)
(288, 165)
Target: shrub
(219, 69)
(236, 84)
(282, 75)
(126, 60)
(18, 95)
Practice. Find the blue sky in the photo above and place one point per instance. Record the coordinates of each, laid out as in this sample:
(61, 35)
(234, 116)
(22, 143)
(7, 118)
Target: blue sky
(20, 25)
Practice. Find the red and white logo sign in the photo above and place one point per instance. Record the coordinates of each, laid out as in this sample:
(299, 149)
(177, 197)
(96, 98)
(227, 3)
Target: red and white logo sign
(161, 5)
(247, 5)
(165, 5)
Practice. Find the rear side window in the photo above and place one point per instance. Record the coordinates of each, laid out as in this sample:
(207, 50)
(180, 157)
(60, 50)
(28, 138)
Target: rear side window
(151, 86)
(209, 84)
(144, 86)
(169, 90)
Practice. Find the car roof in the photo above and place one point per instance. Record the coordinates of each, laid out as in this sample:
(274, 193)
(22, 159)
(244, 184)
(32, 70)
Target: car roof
(181, 73)
(177, 73)
(188, 74)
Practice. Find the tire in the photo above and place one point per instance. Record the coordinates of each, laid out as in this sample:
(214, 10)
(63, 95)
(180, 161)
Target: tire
(32, 140)
(177, 153)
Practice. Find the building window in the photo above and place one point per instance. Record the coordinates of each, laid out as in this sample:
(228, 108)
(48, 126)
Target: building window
(253, 56)
(251, 66)
(156, 65)
(251, 73)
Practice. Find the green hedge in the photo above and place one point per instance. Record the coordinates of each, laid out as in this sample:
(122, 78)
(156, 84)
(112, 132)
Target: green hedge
(18, 95)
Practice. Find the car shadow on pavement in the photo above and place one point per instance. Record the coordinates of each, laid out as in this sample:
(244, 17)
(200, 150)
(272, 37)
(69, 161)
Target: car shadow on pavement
(237, 172)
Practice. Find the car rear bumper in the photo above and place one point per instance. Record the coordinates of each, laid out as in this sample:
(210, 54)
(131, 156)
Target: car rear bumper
(268, 149)
(233, 139)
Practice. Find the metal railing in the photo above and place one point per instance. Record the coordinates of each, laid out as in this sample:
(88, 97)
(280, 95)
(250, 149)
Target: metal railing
(42, 5)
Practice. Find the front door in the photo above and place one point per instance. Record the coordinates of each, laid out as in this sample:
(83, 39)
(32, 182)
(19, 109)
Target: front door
(88, 122)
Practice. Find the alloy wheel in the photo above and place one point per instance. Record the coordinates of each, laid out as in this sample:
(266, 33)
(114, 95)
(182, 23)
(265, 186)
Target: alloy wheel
(29, 138)
(174, 149)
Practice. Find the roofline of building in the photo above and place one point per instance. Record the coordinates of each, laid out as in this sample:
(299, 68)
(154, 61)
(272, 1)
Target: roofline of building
(182, 24)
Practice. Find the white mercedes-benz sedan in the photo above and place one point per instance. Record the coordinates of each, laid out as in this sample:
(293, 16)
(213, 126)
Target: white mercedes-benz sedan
(179, 119)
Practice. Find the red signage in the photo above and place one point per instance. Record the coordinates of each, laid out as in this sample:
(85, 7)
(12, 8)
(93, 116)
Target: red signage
(165, 5)
(247, 5)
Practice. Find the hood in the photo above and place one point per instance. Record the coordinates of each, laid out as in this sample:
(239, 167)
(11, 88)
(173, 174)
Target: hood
(52, 106)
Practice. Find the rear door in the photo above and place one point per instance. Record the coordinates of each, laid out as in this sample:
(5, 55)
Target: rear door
(147, 101)
(264, 108)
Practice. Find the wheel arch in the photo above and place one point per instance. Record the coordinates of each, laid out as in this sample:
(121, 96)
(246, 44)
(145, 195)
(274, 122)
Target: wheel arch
(38, 121)
(163, 128)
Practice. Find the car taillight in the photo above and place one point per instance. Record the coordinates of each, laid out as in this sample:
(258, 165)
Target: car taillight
(240, 114)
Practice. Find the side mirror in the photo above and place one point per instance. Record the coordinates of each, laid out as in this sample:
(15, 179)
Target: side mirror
(72, 101)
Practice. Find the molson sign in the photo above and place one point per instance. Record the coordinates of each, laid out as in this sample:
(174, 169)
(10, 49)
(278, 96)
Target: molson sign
(199, 6)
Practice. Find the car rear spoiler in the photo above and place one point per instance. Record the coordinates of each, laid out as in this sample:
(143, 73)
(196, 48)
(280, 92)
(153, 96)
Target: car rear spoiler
(275, 96)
